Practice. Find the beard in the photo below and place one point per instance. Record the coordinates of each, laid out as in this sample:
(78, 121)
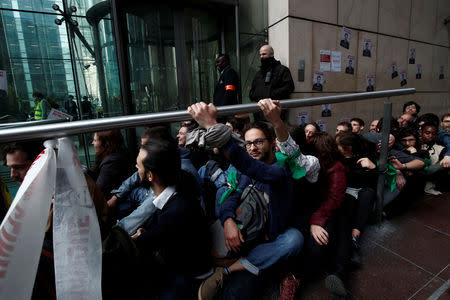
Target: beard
(267, 62)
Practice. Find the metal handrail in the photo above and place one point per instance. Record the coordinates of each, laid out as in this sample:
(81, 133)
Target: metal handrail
(84, 126)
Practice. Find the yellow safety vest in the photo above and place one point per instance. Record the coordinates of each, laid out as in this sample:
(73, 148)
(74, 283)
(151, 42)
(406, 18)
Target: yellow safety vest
(38, 111)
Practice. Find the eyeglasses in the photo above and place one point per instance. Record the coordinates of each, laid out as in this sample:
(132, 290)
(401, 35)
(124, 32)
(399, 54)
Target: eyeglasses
(408, 140)
(257, 143)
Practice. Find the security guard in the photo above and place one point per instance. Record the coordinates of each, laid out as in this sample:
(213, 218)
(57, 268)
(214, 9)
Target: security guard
(226, 91)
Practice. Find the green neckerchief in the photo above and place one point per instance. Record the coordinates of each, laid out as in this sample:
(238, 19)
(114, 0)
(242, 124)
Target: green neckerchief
(427, 165)
(233, 186)
(283, 159)
(391, 173)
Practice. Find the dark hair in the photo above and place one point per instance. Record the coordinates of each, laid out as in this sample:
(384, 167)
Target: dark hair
(32, 149)
(412, 103)
(224, 57)
(428, 118)
(264, 127)
(444, 116)
(360, 121)
(430, 124)
(407, 131)
(352, 140)
(162, 159)
(158, 132)
(298, 135)
(315, 125)
(112, 142)
(189, 124)
(345, 123)
(38, 95)
(326, 149)
(237, 123)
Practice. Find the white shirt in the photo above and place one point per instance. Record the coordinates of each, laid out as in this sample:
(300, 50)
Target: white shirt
(165, 195)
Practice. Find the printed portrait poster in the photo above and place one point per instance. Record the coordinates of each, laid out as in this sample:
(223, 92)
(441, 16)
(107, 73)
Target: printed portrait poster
(326, 110)
(335, 61)
(367, 47)
(350, 65)
(403, 78)
(302, 118)
(322, 124)
(441, 72)
(419, 71)
(318, 81)
(370, 83)
(325, 60)
(346, 37)
(394, 71)
(412, 56)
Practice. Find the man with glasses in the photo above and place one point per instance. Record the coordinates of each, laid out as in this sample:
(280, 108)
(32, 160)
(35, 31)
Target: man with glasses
(259, 167)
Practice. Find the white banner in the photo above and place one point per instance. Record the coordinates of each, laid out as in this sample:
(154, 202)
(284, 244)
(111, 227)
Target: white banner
(76, 233)
(22, 231)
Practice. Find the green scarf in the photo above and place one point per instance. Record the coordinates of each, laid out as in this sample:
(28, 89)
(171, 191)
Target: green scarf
(391, 173)
(297, 171)
(233, 183)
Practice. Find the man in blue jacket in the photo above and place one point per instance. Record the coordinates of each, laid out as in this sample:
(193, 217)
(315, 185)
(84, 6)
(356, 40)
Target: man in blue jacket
(258, 167)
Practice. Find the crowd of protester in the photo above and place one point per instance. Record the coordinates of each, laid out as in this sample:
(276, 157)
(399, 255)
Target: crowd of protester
(181, 211)
(229, 204)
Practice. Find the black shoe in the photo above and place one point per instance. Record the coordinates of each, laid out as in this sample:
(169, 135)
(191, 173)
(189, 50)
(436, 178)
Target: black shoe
(356, 252)
(335, 285)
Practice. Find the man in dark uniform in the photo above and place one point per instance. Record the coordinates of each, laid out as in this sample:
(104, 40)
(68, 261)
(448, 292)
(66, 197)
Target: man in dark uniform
(226, 90)
(273, 80)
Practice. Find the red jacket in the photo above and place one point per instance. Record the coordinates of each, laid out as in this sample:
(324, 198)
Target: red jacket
(332, 193)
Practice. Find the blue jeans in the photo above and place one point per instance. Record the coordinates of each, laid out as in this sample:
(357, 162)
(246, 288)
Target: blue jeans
(286, 245)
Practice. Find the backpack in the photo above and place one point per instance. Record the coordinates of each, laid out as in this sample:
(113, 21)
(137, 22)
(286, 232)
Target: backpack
(251, 217)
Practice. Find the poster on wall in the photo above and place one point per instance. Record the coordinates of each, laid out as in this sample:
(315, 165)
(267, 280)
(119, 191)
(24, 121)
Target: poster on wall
(350, 69)
(326, 110)
(419, 71)
(3, 84)
(367, 47)
(322, 124)
(370, 82)
(325, 60)
(441, 72)
(403, 78)
(346, 37)
(394, 71)
(302, 118)
(318, 81)
(412, 56)
(335, 61)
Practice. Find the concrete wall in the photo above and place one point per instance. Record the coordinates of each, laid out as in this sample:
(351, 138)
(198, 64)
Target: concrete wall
(299, 29)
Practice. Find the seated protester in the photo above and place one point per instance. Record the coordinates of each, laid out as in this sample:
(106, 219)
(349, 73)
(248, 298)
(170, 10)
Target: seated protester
(132, 193)
(198, 156)
(174, 240)
(435, 173)
(259, 168)
(343, 127)
(405, 119)
(360, 195)
(443, 138)
(409, 139)
(413, 109)
(111, 162)
(427, 118)
(236, 124)
(394, 128)
(320, 216)
(357, 125)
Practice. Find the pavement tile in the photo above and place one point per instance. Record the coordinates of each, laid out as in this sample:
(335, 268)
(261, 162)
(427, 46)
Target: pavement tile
(429, 289)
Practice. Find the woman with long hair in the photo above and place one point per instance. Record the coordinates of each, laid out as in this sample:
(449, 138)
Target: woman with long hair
(111, 163)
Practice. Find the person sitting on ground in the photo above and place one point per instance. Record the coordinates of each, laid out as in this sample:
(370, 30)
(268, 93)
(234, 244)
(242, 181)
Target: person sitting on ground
(436, 175)
(443, 138)
(112, 165)
(319, 218)
(373, 126)
(178, 223)
(409, 139)
(259, 167)
(132, 194)
(343, 127)
(405, 119)
(428, 118)
(357, 125)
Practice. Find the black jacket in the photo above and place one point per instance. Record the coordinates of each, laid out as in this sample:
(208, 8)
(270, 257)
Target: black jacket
(227, 88)
(279, 86)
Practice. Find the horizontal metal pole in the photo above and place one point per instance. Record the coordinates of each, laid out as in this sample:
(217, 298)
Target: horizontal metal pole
(84, 126)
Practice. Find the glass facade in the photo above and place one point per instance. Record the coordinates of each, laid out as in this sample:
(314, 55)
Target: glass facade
(170, 51)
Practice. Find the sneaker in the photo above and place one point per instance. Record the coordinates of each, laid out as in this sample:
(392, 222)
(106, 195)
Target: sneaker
(335, 285)
(288, 287)
(211, 285)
